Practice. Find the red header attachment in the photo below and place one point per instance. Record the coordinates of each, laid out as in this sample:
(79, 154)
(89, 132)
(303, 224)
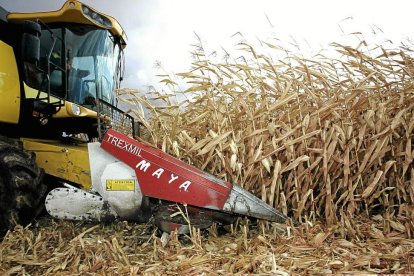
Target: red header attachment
(164, 177)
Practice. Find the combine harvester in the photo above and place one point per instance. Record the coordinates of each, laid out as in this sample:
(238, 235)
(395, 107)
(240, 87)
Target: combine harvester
(59, 124)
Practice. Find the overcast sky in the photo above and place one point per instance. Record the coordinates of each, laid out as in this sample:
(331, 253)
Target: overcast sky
(163, 30)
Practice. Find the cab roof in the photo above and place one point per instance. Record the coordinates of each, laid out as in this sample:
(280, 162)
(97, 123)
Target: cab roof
(73, 11)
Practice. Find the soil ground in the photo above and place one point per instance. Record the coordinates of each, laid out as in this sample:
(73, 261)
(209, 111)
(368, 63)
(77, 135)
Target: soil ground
(53, 247)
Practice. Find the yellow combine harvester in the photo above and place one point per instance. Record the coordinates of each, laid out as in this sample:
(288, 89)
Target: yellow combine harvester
(58, 71)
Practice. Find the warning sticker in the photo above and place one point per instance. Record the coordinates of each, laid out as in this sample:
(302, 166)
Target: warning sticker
(120, 184)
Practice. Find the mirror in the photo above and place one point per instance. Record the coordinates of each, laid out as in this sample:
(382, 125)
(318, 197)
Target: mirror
(31, 42)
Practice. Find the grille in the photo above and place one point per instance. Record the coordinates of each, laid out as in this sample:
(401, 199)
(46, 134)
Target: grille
(118, 119)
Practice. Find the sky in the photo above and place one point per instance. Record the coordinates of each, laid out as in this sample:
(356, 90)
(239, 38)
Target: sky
(162, 31)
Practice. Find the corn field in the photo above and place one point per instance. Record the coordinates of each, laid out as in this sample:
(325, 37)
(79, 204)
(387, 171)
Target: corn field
(320, 139)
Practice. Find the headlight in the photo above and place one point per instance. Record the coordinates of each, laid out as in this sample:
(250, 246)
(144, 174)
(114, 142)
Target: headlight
(76, 109)
(96, 17)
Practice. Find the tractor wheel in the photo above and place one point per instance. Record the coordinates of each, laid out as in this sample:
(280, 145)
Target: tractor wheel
(21, 189)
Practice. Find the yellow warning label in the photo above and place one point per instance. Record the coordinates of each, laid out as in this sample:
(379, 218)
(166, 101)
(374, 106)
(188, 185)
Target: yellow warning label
(120, 184)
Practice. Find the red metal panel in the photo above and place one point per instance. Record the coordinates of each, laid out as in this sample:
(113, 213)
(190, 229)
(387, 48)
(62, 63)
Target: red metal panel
(162, 176)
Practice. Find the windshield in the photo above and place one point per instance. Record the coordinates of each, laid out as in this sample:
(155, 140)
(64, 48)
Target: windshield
(91, 61)
(92, 65)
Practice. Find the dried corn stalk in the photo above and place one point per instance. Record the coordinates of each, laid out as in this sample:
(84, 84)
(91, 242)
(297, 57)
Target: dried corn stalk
(328, 137)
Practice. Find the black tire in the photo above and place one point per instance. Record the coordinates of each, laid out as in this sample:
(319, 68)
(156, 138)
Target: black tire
(22, 191)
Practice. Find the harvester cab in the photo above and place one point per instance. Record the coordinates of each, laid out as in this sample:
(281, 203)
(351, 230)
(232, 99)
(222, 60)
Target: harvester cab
(69, 62)
(58, 74)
